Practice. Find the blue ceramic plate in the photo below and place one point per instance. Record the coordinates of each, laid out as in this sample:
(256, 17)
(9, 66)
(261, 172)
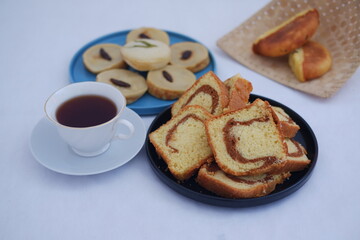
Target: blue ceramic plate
(189, 188)
(147, 104)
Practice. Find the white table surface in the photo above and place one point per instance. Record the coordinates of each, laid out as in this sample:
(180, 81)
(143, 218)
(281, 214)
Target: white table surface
(38, 40)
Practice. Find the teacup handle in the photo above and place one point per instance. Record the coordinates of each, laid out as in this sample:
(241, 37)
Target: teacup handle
(129, 125)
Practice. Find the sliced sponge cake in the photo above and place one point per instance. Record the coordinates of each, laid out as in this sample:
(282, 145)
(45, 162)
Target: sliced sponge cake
(287, 126)
(208, 91)
(247, 141)
(239, 92)
(296, 159)
(212, 178)
(182, 141)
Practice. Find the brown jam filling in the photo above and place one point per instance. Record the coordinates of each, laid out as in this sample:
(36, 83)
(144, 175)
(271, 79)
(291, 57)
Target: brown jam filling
(230, 142)
(143, 35)
(170, 134)
(212, 168)
(250, 182)
(167, 76)
(185, 55)
(207, 90)
(104, 54)
(120, 83)
(299, 152)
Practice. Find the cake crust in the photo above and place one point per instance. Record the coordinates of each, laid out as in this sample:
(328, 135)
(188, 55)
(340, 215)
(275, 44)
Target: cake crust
(213, 179)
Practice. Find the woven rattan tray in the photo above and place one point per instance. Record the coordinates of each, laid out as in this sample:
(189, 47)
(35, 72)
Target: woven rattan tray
(339, 31)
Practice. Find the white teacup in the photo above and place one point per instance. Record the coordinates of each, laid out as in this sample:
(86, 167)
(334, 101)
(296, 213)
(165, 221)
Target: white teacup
(93, 140)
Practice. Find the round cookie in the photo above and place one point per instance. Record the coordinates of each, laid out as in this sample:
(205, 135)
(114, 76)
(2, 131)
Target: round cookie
(132, 85)
(289, 35)
(146, 54)
(103, 57)
(170, 82)
(310, 61)
(148, 33)
(191, 55)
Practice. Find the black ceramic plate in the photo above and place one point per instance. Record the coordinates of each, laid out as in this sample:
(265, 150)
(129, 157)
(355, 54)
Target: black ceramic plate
(192, 190)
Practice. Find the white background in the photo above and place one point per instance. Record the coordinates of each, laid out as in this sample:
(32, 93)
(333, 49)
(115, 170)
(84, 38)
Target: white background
(37, 41)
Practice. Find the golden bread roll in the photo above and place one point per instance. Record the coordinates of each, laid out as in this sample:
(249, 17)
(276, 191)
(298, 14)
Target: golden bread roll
(310, 61)
(289, 35)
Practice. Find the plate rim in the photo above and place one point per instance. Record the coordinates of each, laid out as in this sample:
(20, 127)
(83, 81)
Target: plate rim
(229, 202)
(140, 110)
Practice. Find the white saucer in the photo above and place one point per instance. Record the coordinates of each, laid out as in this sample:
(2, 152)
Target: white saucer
(52, 152)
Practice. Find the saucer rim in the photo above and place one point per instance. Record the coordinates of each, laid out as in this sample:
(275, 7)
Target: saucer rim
(142, 137)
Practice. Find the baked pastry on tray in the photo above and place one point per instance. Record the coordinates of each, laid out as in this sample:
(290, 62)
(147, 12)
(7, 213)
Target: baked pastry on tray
(310, 61)
(289, 35)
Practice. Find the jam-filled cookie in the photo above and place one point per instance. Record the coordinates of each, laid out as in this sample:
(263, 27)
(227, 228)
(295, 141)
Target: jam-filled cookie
(132, 85)
(191, 55)
(146, 54)
(310, 61)
(148, 33)
(103, 57)
(289, 35)
(170, 82)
